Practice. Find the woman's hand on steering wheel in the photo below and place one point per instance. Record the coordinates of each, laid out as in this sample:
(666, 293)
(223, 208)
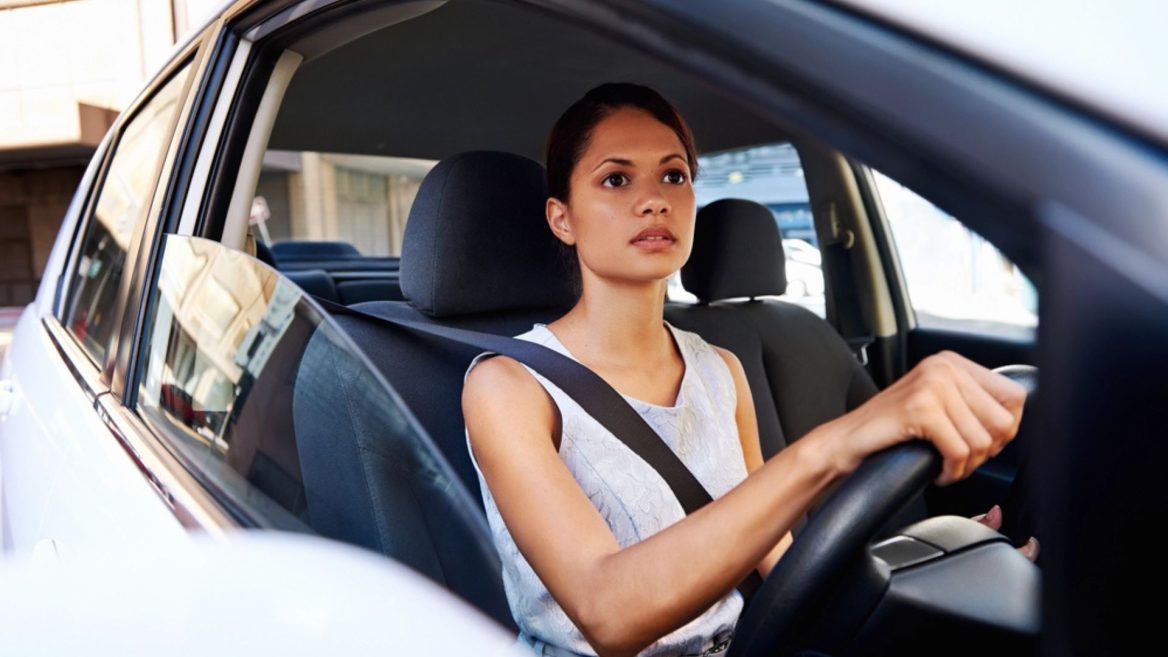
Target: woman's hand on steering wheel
(968, 412)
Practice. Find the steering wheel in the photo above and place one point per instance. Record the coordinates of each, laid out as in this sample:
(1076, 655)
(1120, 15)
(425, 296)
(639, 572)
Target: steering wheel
(834, 541)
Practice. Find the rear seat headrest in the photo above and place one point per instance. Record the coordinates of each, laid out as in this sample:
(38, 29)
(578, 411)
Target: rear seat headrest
(737, 252)
(295, 251)
(477, 240)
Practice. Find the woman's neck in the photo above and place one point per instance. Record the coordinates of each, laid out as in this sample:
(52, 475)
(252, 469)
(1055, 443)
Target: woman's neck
(617, 325)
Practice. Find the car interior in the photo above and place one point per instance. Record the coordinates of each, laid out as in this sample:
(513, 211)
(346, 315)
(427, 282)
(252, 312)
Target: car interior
(475, 253)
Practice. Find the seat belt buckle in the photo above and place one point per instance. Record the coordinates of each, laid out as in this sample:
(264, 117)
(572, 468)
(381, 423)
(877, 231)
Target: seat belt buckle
(859, 346)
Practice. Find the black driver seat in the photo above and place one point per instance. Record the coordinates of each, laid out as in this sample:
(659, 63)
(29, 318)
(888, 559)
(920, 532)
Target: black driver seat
(476, 255)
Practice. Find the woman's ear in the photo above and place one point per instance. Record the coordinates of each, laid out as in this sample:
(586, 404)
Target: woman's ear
(557, 218)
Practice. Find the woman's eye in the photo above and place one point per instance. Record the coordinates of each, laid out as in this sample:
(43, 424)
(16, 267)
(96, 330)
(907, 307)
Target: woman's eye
(675, 177)
(614, 180)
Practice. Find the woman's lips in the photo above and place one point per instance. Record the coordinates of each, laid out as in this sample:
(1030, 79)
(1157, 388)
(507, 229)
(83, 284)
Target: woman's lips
(654, 238)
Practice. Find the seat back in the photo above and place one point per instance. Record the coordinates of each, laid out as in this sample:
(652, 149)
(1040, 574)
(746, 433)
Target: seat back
(476, 254)
(372, 479)
(800, 370)
(316, 282)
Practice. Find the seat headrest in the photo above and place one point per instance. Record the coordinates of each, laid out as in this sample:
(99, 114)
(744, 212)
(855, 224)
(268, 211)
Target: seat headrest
(297, 251)
(737, 252)
(477, 240)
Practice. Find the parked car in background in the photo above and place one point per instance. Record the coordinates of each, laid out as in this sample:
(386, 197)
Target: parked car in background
(804, 269)
(800, 251)
(174, 378)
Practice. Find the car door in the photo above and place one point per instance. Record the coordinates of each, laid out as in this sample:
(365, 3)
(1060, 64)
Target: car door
(67, 478)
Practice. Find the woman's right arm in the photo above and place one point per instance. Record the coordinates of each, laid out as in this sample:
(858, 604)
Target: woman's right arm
(624, 599)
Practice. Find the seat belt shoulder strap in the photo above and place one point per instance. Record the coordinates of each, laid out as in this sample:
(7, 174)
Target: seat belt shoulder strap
(594, 395)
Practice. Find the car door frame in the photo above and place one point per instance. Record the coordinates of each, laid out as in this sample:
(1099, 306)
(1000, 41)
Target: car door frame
(188, 503)
(912, 342)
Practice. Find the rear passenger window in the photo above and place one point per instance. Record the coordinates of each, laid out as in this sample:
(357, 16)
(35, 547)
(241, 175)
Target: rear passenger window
(124, 195)
(769, 174)
(362, 200)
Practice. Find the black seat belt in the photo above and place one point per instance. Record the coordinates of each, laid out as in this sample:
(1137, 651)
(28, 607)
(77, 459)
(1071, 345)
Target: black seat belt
(592, 393)
(848, 312)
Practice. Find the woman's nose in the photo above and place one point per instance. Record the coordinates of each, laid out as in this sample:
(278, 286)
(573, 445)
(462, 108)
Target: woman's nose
(653, 203)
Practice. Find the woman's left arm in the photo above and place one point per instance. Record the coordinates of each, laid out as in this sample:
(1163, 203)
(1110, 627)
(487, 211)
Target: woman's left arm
(747, 421)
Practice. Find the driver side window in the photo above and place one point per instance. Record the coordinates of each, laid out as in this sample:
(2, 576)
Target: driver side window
(956, 279)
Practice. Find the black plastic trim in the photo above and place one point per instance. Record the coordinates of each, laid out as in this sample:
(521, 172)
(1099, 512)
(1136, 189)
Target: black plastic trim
(211, 69)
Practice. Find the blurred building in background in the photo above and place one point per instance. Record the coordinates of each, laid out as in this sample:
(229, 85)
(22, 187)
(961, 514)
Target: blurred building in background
(67, 67)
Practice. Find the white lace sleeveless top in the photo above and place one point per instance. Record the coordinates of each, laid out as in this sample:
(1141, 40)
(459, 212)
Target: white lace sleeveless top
(635, 501)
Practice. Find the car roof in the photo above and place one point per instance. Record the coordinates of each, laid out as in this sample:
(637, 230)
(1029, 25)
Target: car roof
(499, 89)
(1108, 57)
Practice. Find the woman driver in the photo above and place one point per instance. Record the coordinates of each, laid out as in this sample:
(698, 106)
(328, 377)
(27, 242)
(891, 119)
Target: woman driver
(598, 556)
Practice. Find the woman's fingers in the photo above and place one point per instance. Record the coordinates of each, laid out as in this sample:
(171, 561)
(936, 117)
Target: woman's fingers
(999, 422)
(981, 410)
(973, 428)
(937, 411)
(966, 411)
(938, 427)
(1030, 550)
(1008, 393)
(991, 518)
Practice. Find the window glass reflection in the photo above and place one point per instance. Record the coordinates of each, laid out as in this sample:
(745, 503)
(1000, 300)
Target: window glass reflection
(277, 413)
(221, 363)
(125, 193)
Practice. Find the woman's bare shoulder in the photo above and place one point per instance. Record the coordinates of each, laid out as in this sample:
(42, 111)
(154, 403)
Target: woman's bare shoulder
(498, 376)
(501, 397)
(736, 370)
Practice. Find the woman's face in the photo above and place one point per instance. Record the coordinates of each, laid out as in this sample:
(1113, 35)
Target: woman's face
(631, 208)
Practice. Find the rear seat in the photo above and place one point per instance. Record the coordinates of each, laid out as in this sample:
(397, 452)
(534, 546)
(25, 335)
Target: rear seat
(350, 292)
(316, 282)
(335, 271)
(294, 251)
